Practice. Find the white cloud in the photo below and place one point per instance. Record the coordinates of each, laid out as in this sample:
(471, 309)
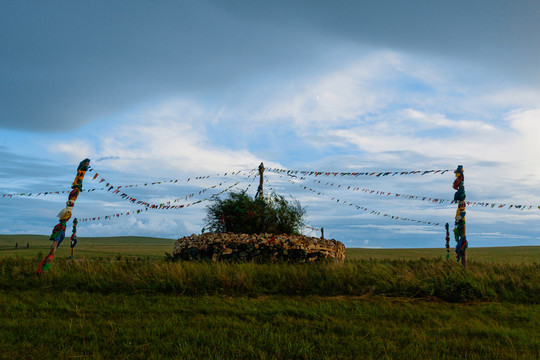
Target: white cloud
(73, 150)
(400, 109)
(512, 97)
(525, 144)
(425, 121)
(498, 235)
(338, 97)
(402, 229)
(163, 139)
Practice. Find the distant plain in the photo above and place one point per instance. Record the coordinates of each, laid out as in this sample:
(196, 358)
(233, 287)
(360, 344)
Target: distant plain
(157, 247)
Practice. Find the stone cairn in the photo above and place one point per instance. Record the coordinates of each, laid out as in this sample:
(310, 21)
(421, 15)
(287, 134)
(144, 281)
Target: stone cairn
(258, 248)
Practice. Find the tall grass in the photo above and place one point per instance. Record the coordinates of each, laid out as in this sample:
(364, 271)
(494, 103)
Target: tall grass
(425, 278)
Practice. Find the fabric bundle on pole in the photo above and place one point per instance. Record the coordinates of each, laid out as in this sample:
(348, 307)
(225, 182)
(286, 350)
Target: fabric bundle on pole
(460, 225)
(260, 194)
(447, 241)
(74, 229)
(73, 238)
(59, 230)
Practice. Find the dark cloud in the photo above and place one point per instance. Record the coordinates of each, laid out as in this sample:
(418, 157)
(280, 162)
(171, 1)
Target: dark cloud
(497, 32)
(67, 63)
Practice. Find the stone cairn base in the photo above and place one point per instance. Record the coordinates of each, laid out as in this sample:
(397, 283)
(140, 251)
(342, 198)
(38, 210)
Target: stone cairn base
(258, 248)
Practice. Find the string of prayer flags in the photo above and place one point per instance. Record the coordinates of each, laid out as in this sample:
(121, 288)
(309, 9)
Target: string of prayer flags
(140, 202)
(156, 207)
(312, 228)
(134, 200)
(109, 187)
(108, 217)
(254, 173)
(372, 212)
(171, 181)
(64, 215)
(384, 193)
(367, 191)
(424, 198)
(356, 174)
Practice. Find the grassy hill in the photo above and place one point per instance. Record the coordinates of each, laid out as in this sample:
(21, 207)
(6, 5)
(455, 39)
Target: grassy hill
(89, 247)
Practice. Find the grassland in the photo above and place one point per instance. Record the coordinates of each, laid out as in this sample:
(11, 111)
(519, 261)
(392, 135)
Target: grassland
(121, 299)
(89, 247)
(155, 326)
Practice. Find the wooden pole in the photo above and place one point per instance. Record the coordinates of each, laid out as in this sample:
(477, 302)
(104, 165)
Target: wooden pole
(460, 234)
(259, 194)
(447, 227)
(59, 231)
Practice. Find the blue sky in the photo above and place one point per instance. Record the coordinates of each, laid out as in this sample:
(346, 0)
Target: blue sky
(169, 90)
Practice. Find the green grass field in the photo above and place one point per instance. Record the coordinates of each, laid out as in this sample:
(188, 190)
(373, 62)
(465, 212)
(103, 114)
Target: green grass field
(157, 247)
(87, 247)
(507, 255)
(74, 325)
(120, 299)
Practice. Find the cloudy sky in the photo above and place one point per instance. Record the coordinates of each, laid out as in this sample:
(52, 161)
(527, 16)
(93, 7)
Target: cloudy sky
(154, 91)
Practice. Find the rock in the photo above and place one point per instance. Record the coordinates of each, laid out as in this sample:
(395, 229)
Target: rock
(259, 248)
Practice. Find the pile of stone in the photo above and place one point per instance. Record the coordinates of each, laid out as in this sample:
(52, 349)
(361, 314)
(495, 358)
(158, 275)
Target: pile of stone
(258, 248)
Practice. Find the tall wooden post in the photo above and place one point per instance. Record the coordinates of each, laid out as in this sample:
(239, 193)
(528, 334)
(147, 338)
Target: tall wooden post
(259, 194)
(59, 231)
(460, 225)
(447, 227)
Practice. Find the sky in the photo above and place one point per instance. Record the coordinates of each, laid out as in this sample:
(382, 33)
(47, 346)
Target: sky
(159, 92)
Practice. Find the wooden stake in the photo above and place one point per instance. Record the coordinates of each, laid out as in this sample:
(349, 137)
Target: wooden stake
(259, 194)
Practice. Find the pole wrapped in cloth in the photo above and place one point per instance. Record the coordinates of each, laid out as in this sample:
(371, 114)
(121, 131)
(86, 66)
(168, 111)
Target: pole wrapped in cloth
(59, 231)
(460, 234)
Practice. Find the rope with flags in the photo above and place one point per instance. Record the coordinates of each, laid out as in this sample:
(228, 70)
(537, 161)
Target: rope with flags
(372, 212)
(356, 174)
(155, 207)
(167, 204)
(427, 198)
(109, 187)
(459, 198)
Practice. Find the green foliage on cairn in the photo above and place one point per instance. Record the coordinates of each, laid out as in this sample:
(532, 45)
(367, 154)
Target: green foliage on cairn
(241, 214)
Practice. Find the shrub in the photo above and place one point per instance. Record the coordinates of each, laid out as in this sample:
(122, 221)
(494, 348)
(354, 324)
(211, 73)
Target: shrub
(239, 213)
